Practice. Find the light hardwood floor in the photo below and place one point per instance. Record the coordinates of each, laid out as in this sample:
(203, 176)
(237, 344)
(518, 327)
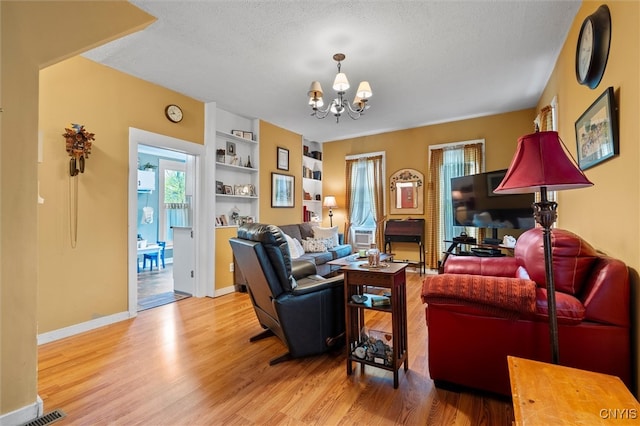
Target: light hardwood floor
(191, 363)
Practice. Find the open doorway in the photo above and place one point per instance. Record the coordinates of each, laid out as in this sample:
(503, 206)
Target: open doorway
(165, 186)
(165, 196)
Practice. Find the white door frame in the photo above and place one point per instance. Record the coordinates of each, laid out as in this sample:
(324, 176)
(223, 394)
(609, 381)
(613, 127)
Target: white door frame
(202, 210)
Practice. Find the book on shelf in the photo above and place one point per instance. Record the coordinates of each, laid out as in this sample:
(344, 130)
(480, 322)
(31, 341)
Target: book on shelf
(380, 300)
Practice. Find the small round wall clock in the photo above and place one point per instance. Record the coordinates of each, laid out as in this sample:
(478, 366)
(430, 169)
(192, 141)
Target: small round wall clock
(173, 113)
(592, 51)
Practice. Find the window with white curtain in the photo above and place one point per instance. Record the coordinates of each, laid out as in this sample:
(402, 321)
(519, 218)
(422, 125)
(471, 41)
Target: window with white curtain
(174, 205)
(447, 161)
(366, 177)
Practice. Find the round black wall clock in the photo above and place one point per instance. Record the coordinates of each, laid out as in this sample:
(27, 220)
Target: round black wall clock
(592, 51)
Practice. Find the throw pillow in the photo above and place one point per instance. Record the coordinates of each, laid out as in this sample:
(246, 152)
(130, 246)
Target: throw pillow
(314, 245)
(329, 233)
(298, 245)
(293, 249)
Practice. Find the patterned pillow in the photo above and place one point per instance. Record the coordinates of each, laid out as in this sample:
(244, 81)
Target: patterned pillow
(314, 245)
(329, 233)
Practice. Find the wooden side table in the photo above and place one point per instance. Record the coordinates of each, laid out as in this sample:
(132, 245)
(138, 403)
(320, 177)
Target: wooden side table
(548, 394)
(358, 276)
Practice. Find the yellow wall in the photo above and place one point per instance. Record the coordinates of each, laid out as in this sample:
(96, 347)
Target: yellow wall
(102, 252)
(607, 214)
(89, 281)
(272, 137)
(33, 37)
(616, 181)
(410, 149)
(224, 256)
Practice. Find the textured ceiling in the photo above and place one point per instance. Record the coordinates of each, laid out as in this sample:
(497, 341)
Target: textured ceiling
(427, 62)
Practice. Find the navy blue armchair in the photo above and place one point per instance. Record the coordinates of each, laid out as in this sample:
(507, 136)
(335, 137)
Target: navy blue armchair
(304, 310)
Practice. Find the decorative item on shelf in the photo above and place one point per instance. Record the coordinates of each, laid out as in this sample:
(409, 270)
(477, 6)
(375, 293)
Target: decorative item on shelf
(220, 154)
(318, 197)
(228, 190)
(238, 133)
(248, 164)
(78, 141)
(231, 148)
(339, 105)
(235, 215)
(246, 219)
(376, 347)
(247, 135)
(330, 203)
(233, 159)
(542, 163)
(317, 155)
(219, 187)
(306, 195)
(380, 300)
(317, 174)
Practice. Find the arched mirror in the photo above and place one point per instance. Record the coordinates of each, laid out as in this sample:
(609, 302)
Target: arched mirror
(407, 192)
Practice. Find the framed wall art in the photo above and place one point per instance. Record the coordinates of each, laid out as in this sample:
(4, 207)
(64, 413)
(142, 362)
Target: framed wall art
(597, 131)
(283, 159)
(282, 190)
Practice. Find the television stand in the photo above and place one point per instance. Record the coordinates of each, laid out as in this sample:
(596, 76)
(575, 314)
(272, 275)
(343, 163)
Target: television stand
(472, 249)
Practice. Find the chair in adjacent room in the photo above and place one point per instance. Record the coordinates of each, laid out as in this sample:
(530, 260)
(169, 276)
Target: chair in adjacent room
(157, 257)
(304, 310)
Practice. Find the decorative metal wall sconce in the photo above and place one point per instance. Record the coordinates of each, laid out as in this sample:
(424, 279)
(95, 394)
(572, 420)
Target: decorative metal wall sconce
(78, 141)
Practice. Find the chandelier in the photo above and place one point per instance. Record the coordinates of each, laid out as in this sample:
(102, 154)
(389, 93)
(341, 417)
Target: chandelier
(339, 105)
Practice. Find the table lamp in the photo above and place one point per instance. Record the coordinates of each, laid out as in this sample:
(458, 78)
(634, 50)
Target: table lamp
(542, 163)
(330, 203)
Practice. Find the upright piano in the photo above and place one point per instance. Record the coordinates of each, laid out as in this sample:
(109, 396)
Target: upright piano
(406, 231)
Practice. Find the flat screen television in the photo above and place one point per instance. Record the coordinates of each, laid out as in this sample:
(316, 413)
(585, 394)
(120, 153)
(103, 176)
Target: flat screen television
(476, 205)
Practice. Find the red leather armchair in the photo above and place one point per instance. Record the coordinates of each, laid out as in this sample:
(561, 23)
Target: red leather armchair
(483, 309)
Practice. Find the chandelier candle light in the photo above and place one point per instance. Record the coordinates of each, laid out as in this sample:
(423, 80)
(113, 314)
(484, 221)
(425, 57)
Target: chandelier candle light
(542, 163)
(339, 105)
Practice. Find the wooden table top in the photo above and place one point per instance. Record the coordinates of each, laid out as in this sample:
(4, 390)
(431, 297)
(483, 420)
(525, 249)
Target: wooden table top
(548, 394)
(386, 268)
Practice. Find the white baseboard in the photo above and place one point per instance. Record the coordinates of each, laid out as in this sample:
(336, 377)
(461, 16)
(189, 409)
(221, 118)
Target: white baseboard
(81, 328)
(24, 414)
(223, 291)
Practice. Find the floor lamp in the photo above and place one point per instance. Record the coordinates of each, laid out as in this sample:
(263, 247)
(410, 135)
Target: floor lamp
(330, 203)
(542, 163)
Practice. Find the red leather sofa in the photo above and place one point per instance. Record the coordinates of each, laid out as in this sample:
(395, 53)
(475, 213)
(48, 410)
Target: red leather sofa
(485, 308)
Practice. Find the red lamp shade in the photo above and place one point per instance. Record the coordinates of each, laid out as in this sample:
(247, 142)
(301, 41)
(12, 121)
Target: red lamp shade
(541, 161)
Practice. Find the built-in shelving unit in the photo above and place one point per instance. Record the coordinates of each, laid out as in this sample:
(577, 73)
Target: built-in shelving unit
(236, 173)
(311, 180)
